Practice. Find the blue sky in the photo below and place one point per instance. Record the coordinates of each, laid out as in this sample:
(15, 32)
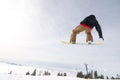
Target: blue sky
(32, 30)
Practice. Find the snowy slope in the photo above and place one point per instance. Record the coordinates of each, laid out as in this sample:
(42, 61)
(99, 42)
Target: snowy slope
(18, 73)
(5, 68)
(16, 69)
(19, 77)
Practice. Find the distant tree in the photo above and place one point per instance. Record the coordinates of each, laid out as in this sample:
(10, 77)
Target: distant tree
(118, 76)
(86, 76)
(102, 77)
(90, 75)
(107, 77)
(95, 74)
(28, 73)
(10, 72)
(61, 74)
(80, 74)
(112, 77)
(65, 74)
(58, 74)
(47, 73)
(34, 73)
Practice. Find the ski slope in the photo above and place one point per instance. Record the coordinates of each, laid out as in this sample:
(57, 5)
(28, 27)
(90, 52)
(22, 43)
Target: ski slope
(19, 77)
(18, 73)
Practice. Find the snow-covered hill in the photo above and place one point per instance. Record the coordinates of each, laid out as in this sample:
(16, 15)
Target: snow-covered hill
(18, 72)
(18, 69)
(19, 77)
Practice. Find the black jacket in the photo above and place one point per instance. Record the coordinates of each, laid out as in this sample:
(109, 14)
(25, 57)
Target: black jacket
(92, 22)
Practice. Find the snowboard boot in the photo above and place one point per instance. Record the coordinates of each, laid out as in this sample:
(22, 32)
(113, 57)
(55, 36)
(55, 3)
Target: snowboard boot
(73, 42)
(89, 42)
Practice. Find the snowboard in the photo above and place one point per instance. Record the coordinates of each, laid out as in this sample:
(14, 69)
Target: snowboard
(82, 43)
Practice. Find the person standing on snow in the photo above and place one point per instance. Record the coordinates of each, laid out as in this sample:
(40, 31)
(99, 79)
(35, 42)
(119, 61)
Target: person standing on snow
(87, 25)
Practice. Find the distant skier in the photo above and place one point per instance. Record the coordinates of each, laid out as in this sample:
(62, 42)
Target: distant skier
(86, 25)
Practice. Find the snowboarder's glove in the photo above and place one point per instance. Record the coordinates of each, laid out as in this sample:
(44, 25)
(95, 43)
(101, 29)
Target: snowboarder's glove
(102, 38)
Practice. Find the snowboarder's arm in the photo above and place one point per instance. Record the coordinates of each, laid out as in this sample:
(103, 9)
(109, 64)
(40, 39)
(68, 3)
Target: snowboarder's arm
(99, 30)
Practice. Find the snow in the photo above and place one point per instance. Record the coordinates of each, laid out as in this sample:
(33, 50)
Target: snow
(19, 71)
(14, 77)
(6, 68)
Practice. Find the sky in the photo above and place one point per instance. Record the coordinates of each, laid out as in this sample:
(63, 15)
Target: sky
(32, 30)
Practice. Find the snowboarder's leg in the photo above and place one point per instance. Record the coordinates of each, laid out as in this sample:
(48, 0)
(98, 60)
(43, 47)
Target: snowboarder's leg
(76, 31)
(89, 36)
(73, 37)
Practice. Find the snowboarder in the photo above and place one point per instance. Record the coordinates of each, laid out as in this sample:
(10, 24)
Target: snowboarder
(87, 25)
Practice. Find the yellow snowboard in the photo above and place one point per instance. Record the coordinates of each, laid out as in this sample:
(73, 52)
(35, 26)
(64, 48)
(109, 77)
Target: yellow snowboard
(83, 43)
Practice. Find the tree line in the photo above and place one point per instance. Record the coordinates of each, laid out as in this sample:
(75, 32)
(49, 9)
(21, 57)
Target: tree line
(90, 75)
